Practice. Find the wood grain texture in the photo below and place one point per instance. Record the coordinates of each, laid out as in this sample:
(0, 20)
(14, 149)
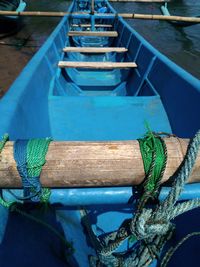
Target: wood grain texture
(93, 33)
(95, 49)
(96, 65)
(84, 164)
(89, 25)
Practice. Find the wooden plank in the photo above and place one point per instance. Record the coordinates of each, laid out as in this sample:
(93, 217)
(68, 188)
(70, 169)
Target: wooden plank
(93, 33)
(96, 65)
(95, 49)
(96, 25)
(83, 164)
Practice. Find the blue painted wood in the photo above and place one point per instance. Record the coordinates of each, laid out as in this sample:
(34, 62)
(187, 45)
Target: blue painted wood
(76, 104)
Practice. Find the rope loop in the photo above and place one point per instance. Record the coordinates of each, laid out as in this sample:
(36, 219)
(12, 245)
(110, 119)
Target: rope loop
(30, 157)
(154, 155)
(146, 227)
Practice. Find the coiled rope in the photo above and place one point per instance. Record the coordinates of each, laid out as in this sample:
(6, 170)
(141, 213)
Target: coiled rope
(152, 228)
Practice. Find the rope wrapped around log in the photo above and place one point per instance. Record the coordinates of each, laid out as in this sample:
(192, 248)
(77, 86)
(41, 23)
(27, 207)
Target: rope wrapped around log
(95, 164)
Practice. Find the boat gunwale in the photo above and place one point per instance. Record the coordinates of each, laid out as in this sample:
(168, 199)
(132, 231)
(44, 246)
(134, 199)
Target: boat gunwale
(17, 90)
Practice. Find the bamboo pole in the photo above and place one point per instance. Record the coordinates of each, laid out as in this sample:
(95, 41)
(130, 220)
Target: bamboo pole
(141, 1)
(106, 15)
(91, 164)
(159, 17)
(92, 7)
(40, 13)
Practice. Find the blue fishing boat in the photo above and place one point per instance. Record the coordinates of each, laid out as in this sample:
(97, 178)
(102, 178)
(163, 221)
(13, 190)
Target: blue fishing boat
(165, 12)
(94, 89)
(10, 24)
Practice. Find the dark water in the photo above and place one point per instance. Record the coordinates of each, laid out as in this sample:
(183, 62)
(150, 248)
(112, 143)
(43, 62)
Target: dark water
(182, 45)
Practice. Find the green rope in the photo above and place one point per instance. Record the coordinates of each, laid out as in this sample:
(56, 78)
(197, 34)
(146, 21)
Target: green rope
(37, 149)
(3, 142)
(5, 204)
(154, 155)
(36, 153)
(45, 196)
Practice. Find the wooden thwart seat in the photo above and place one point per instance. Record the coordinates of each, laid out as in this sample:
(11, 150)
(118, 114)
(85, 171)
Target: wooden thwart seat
(93, 33)
(89, 25)
(96, 65)
(95, 49)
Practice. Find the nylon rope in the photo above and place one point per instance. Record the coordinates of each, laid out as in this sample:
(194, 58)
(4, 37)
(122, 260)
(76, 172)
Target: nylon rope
(154, 155)
(151, 226)
(12, 205)
(30, 157)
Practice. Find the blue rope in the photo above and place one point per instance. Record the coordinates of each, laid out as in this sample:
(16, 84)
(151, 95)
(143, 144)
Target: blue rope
(32, 186)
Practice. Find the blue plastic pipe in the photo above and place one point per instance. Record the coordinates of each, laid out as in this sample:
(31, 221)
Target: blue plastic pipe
(104, 196)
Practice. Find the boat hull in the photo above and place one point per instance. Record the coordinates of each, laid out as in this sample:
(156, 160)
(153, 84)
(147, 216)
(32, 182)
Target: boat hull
(81, 105)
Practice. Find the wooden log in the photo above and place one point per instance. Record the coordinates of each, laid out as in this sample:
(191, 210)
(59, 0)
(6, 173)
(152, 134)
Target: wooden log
(93, 33)
(108, 15)
(85, 164)
(95, 49)
(89, 25)
(96, 65)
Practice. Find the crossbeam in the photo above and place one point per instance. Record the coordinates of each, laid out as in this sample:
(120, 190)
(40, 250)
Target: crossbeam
(141, 1)
(96, 25)
(95, 49)
(93, 33)
(96, 65)
(86, 164)
(86, 15)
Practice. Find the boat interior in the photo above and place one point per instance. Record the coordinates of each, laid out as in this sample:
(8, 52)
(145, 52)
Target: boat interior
(94, 79)
(127, 85)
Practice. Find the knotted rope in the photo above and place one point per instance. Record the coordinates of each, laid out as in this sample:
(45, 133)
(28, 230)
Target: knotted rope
(30, 157)
(36, 160)
(151, 227)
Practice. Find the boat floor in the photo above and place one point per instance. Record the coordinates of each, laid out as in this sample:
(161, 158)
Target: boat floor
(35, 245)
(112, 118)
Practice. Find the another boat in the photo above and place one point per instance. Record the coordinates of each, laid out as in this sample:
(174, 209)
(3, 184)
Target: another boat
(95, 79)
(165, 12)
(10, 24)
